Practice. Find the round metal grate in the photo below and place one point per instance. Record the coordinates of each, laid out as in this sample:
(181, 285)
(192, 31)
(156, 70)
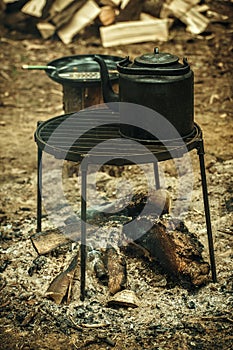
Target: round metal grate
(75, 136)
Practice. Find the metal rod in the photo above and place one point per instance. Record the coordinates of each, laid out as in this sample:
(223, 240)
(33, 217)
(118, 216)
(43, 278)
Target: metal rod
(39, 188)
(83, 230)
(156, 173)
(207, 210)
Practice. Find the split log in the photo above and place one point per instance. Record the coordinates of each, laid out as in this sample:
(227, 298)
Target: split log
(20, 21)
(116, 266)
(80, 20)
(46, 29)
(62, 15)
(60, 288)
(177, 250)
(124, 298)
(59, 6)
(158, 203)
(47, 241)
(185, 11)
(130, 10)
(112, 3)
(153, 7)
(34, 8)
(2, 7)
(195, 21)
(123, 33)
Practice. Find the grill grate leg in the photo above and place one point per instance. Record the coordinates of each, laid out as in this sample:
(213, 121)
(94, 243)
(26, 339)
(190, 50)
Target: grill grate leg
(207, 210)
(156, 174)
(39, 189)
(83, 229)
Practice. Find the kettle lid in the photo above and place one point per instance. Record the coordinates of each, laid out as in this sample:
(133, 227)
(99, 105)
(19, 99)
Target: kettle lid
(156, 59)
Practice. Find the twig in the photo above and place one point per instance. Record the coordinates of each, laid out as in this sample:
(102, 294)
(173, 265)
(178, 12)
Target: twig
(217, 318)
(5, 304)
(94, 325)
(107, 340)
(77, 326)
(228, 232)
(214, 318)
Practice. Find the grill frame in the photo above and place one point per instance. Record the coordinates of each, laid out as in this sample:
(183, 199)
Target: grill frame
(51, 140)
(162, 151)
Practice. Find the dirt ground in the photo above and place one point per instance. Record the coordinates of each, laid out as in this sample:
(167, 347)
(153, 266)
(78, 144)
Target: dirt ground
(169, 316)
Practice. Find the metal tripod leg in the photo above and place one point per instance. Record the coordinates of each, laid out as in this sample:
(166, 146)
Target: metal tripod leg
(156, 174)
(39, 189)
(207, 210)
(83, 229)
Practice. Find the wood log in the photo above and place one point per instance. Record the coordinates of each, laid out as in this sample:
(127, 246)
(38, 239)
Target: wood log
(14, 5)
(46, 29)
(158, 203)
(60, 288)
(2, 10)
(60, 16)
(116, 266)
(2, 6)
(47, 241)
(177, 250)
(130, 11)
(34, 8)
(195, 21)
(107, 15)
(59, 6)
(21, 22)
(123, 33)
(153, 7)
(80, 19)
(185, 11)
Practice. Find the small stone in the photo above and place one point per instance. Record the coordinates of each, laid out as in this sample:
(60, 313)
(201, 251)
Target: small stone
(191, 305)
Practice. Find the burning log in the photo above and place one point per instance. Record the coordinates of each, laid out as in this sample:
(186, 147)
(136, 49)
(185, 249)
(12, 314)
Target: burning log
(178, 251)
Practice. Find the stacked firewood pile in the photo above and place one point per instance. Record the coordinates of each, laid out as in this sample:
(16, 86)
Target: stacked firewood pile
(119, 22)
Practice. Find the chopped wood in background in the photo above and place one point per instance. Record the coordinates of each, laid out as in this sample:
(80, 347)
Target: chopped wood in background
(119, 22)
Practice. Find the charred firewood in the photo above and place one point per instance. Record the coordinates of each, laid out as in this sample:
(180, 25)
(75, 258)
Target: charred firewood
(116, 265)
(178, 251)
(95, 256)
(60, 288)
(158, 203)
(124, 298)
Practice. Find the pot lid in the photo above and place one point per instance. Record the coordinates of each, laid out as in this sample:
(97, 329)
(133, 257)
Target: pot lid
(156, 59)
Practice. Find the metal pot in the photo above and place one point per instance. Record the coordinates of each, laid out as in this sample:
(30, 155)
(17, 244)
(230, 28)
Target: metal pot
(155, 80)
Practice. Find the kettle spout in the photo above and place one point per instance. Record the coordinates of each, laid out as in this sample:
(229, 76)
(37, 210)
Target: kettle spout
(108, 94)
